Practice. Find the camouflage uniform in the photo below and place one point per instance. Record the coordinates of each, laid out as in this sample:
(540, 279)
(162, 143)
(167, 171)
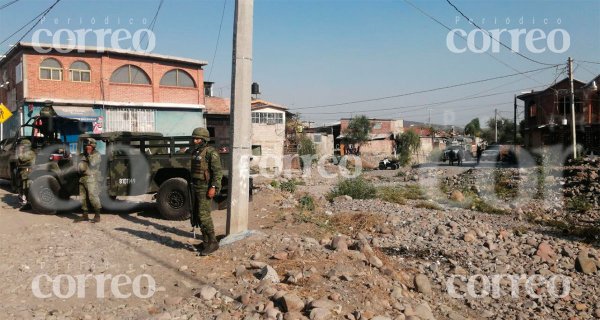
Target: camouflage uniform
(206, 174)
(26, 160)
(89, 189)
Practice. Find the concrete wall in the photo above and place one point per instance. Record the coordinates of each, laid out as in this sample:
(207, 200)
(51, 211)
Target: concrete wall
(325, 146)
(271, 139)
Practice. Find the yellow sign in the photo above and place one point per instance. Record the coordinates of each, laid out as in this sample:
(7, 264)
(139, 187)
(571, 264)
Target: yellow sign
(4, 113)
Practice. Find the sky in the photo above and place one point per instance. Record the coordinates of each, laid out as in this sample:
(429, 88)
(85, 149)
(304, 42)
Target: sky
(319, 57)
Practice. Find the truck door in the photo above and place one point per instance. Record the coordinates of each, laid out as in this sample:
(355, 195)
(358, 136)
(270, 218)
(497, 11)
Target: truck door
(128, 169)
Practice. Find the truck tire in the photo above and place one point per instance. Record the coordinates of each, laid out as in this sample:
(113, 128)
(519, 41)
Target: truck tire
(173, 199)
(44, 195)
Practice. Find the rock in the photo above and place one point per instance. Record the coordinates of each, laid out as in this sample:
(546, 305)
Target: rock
(257, 264)
(240, 271)
(245, 299)
(457, 196)
(546, 252)
(375, 261)
(335, 297)
(380, 318)
(322, 304)
(423, 285)
(342, 198)
(581, 307)
(256, 256)
(320, 314)
(597, 313)
(585, 264)
(469, 236)
(423, 311)
(294, 315)
(269, 274)
(292, 302)
(339, 243)
(280, 256)
(397, 293)
(271, 312)
(173, 301)
(207, 292)
(183, 268)
(441, 230)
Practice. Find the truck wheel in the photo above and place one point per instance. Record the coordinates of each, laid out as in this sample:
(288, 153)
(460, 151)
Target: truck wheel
(44, 195)
(173, 199)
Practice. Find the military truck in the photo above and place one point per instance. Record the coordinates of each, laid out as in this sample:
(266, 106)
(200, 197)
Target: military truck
(132, 164)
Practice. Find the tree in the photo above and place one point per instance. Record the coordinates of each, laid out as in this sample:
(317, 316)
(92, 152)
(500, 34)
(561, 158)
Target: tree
(473, 128)
(406, 144)
(358, 130)
(306, 150)
(506, 131)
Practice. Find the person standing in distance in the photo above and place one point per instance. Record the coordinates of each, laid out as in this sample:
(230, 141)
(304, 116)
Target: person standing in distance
(89, 174)
(206, 183)
(25, 160)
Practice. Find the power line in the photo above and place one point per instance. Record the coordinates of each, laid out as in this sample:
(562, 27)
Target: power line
(40, 16)
(8, 4)
(421, 91)
(464, 38)
(491, 37)
(152, 25)
(592, 62)
(218, 38)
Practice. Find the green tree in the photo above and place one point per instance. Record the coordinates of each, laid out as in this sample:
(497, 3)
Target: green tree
(306, 150)
(358, 130)
(406, 144)
(506, 131)
(473, 128)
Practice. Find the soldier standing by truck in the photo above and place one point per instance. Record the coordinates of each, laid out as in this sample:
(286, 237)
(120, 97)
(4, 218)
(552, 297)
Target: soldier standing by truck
(89, 173)
(206, 183)
(26, 159)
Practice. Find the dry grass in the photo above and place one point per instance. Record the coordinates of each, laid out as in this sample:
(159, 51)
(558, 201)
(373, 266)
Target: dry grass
(353, 223)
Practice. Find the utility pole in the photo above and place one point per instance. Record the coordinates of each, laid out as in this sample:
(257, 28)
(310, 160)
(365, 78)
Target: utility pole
(496, 126)
(573, 132)
(241, 115)
(515, 119)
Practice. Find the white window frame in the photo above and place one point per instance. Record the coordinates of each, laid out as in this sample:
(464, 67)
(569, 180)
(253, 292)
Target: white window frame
(130, 119)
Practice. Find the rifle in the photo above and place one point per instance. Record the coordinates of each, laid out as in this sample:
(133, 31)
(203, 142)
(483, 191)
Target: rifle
(193, 218)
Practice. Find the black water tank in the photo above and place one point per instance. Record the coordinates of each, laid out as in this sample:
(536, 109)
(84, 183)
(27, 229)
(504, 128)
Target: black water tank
(255, 89)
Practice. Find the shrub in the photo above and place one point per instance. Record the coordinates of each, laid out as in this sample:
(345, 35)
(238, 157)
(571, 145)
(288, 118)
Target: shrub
(435, 155)
(306, 148)
(289, 186)
(307, 203)
(275, 184)
(357, 188)
(391, 194)
(579, 204)
(428, 205)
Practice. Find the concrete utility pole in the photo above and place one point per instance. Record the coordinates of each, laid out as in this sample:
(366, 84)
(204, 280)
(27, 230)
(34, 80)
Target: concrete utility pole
(241, 116)
(496, 126)
(573, 132)
(515, 119)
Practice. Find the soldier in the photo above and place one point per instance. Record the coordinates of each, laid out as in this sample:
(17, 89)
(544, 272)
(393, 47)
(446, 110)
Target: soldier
(89, 172)
(26, 159)
(206, 183)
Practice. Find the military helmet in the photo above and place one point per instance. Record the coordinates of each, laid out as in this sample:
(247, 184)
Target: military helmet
(201, 133)
(91, 142)
(25, 142)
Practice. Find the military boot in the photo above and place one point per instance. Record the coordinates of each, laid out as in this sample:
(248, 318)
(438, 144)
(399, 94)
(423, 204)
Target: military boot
(199, 247)
(96, 217)
(84, 217)
(211, 246)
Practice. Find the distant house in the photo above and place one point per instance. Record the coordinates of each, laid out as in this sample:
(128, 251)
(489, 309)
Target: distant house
(324, 138)
(548, 115)
(268, 129)
(381, 137)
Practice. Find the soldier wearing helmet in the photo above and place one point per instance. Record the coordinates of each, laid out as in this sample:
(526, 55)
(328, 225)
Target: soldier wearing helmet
(89, 174)
(26, 160)
(206, 183)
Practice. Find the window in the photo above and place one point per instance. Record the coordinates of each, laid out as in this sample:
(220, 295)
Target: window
(80, 72)
(317, 138)
(377, 125)
(532, 110)
(50, 69)
(130, 74)
(177, 78)
(267, 117)
(256, 150)
(130, 119)
(19, 72)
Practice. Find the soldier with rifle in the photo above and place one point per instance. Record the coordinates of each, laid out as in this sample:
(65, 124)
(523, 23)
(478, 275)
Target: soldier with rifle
(25, 160)
(205, 183)
(89, 173)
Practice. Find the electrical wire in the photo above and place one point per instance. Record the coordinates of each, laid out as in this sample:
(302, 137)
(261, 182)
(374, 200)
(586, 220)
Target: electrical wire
(40, 16)
(421, 91)
(491, 37)
(6, 5)
(217, 44)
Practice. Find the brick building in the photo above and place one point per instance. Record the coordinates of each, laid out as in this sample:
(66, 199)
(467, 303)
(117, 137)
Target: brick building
(106, 89)
(381, 137)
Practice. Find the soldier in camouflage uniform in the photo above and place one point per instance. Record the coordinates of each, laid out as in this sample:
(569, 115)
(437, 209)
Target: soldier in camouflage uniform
(206, 183)
(26, 159)
(89, 173)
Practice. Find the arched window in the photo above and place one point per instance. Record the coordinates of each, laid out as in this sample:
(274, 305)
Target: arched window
(80, 72)
(130, 74)
(51, 69)
(177, 78)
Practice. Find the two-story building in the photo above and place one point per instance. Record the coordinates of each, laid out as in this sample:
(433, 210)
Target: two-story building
(548, 115)
(381, 137)
(106, 89)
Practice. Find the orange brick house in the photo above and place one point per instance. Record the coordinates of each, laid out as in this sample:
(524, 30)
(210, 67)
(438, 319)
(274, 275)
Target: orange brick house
(106, 89)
